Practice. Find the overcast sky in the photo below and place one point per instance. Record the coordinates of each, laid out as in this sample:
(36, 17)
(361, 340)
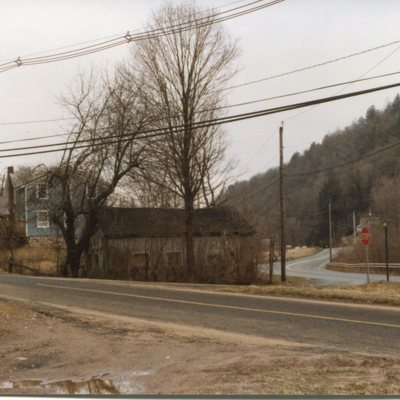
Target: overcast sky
(287, 36)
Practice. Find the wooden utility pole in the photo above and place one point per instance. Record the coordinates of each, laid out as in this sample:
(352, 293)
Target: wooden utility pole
(282, 206)
(330, 230)
(271, 259)
(11, 217)
(10, 195)
(385, 225)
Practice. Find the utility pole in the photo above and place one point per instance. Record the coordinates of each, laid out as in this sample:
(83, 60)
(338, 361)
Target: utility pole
(271, 259)
(282, 206)
(11, 217)
(385, 224)
(354, 226)
(10, 195)
(330, 229)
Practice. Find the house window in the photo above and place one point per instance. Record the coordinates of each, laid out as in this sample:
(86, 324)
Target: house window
(43, 219)
(174, 259)
(41, 191)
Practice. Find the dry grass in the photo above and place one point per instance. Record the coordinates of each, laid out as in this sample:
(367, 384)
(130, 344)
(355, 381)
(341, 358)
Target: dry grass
(296, 253)
(40, 258)
(332, 374)
(9, 312)
(375, 293)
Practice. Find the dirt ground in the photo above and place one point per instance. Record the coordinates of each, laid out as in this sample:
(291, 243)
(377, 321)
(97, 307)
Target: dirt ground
(44, 350)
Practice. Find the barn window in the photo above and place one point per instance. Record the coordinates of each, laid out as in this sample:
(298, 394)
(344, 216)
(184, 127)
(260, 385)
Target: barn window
(42, 219)
(42, 191)
(174, 259)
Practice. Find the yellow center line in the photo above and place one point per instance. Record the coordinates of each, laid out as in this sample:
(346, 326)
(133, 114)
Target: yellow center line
(198, 303)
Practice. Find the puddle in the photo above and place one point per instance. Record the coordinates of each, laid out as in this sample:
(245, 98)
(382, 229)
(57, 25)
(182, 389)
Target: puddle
(90, 386)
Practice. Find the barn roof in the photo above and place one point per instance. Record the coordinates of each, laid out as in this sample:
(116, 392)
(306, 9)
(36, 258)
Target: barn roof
(154, 222)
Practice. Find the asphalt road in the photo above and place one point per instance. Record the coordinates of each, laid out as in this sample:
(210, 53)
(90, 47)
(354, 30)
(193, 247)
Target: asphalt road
(372, 330)
(313, 268)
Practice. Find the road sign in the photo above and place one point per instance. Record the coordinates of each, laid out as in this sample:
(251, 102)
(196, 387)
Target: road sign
(365, 236)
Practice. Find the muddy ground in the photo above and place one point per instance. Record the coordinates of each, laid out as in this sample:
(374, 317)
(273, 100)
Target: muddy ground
(45, 350)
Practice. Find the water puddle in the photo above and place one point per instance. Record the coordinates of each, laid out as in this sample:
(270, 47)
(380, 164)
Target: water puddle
(89, 386)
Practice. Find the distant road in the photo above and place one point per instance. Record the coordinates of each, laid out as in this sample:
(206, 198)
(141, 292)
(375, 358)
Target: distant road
(314, 268)
(345, 327)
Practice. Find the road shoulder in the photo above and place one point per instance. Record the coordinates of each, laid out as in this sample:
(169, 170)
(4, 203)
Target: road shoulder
(66, 350)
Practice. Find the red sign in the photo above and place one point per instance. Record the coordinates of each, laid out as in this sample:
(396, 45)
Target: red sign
(365, 236)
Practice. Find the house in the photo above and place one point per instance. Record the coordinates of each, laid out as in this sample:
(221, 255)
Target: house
(32, 205)
(148, 244)
(10, 226)
(39, 200)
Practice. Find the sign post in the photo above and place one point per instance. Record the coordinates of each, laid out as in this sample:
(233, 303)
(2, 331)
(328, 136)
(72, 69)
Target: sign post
(365, 242)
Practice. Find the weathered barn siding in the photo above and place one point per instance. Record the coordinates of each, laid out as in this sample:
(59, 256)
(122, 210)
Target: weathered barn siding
(218, 258)
(149, 245)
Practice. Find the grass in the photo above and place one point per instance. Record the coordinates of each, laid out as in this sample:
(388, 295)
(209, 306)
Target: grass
(319, 374)
(384, 293)
(301, 252)
(8, 312)
(40, 258)
(293, 254)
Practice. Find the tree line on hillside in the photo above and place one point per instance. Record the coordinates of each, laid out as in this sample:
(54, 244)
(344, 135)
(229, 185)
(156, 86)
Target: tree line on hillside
(369, 185)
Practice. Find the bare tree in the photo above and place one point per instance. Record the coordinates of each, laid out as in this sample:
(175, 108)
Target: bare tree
(184, 73)
(103, 148)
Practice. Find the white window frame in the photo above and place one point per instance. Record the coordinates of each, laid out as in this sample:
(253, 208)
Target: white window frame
(38, 191)
(40, 223)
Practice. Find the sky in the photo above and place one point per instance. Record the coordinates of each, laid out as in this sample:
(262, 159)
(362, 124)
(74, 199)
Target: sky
(287, 36)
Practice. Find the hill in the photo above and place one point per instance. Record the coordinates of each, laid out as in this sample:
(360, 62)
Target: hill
(357, 167)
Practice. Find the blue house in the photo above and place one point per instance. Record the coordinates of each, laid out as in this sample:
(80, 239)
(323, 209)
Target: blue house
(38, 201)
(33, 202)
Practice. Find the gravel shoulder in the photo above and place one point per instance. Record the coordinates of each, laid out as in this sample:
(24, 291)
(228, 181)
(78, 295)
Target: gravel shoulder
(47, 350)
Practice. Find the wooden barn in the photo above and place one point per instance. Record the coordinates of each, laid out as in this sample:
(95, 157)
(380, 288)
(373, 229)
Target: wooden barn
(148, 244)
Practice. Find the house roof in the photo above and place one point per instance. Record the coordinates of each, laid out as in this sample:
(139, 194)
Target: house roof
(20, 185)
(155, 222)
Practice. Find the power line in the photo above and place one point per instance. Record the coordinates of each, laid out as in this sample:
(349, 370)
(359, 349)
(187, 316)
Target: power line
(249, 82)
(262, 148)
(148, 131)
(308, 67)
(37, 121)
(314, 172)
(114, 36)
(151, 34)
(309, 90)
(249, 196)
(350, 83)
(345, 164)
(127, 38)
(209, 123)
(216, 108)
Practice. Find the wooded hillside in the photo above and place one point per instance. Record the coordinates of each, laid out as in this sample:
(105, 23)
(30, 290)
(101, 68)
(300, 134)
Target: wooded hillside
(367, 179)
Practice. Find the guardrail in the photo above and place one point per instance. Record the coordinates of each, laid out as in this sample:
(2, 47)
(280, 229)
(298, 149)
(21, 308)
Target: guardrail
(374, 268)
